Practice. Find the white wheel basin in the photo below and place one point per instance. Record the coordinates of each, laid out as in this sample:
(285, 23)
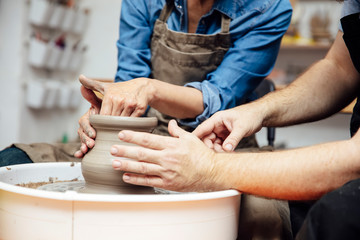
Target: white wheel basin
(43, 215)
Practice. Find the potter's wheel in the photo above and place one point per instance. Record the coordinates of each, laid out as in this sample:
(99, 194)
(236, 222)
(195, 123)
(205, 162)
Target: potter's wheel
(66, 214)
(79, 186)
(63, 186)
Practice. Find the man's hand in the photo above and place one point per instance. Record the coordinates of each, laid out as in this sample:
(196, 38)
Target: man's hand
(224, 130)
(178, 163)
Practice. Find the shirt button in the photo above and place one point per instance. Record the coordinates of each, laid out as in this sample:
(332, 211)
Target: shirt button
(179, 6)
(203, 22)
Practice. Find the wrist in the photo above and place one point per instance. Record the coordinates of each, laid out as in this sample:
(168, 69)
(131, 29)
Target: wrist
(216, 179)
(152, 92)
(263, 110)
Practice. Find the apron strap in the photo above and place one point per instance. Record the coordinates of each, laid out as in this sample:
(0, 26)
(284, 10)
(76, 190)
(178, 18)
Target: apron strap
(166, 11)
(225, 23)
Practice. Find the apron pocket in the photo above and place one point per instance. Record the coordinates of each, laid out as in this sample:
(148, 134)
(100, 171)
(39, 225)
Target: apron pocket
(213, 58)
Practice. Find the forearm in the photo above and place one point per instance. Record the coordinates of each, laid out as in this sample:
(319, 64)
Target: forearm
(308, 100)
(298, 174)
(327, 87)
(176, 101)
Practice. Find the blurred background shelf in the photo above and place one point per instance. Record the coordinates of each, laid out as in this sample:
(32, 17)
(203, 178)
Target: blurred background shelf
(299, 46)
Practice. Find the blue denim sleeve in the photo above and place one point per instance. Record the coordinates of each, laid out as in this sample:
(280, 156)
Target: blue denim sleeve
(256, 42)
(134, 41)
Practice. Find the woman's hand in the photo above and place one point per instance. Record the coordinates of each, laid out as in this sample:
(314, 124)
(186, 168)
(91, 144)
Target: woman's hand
(179, 163)
(129, 98)
(86, 132)
(224, 130)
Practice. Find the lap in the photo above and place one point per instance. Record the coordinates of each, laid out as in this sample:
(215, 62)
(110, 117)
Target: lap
(38, 152)
(12, 156)
(335, 215)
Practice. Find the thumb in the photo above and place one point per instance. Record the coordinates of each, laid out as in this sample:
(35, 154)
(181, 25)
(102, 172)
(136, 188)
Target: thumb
(92, 84)
(232, 140)
(175, 130)
(91, 97)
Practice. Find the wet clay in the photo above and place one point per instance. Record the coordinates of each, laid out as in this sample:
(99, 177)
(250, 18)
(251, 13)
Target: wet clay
(36, 185)
(96, 167)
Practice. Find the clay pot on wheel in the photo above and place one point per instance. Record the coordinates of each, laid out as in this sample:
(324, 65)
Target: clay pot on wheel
(96, 167)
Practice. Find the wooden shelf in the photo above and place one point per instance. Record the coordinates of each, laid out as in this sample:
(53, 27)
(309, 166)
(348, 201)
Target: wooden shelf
(294, 46)
(297, 43)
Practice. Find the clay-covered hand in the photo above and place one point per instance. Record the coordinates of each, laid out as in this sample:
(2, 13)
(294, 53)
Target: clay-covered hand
(129, 98)
(86, 132)
(224, 130)
(179, 163)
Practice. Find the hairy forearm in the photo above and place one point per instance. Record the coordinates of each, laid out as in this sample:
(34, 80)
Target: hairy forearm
(298, 174)
(176, 101)
(324, 89)
(308, 100)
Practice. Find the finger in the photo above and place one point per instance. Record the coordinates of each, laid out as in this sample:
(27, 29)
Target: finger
(94, 111)
(209, 140)
(106, 106)
(136, 153)
(204, 129)
(139, 111)
(90, 143)
(117, 108)
(92, 84)
(208, 143)
(218, 145)
(91, 97)
(84, 148)
(127, 111)
(129, 108)
(146, 140)
(86, 129)
(233, 140)
(112, 105)
(175, 130)
(150, 181)
(83, 137)
(136, 167)
(78, 154)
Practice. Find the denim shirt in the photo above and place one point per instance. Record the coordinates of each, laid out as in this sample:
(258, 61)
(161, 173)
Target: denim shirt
(350, 7)
(256, 29)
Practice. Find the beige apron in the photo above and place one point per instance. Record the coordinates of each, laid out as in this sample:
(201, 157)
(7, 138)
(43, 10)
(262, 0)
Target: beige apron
(179, 58)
